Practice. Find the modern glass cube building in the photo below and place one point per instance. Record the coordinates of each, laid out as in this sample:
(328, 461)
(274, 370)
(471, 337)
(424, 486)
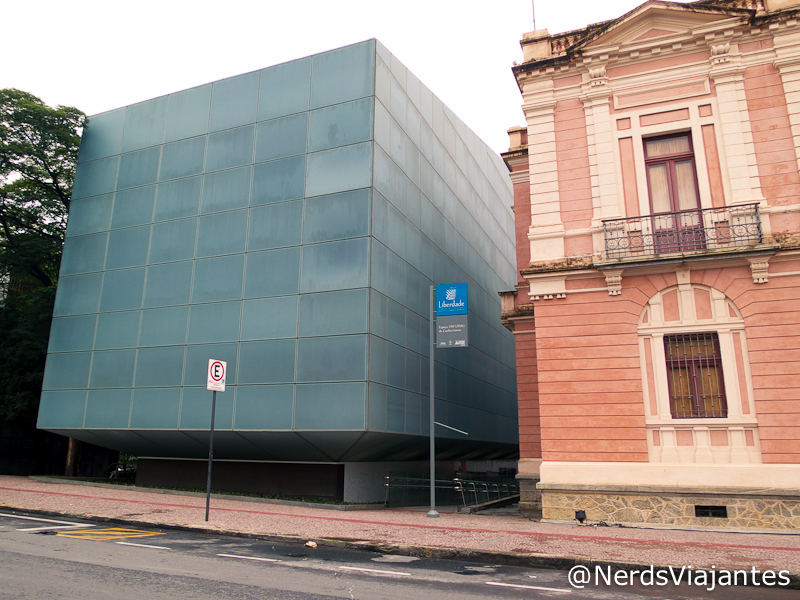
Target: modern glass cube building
(290, 222)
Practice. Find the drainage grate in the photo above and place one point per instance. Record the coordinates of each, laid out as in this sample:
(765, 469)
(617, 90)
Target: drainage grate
(717, 512)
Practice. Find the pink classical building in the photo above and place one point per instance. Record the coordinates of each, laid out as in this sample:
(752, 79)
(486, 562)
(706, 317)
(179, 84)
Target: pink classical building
(657, 310)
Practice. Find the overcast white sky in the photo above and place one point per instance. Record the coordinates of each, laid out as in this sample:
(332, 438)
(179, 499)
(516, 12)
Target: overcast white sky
(100, 55)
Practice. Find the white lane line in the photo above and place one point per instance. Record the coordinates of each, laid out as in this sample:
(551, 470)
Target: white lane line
(49, 527)
(249, 557)
(40, 520)
(375, 571)
(143, 545)
(530, 587)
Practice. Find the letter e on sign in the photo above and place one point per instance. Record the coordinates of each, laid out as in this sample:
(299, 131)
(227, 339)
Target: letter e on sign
(217, 372)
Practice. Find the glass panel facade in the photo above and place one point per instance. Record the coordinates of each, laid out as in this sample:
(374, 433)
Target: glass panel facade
(290, 222)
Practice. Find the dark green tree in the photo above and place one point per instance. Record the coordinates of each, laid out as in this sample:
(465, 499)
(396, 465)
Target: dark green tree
(38, 153)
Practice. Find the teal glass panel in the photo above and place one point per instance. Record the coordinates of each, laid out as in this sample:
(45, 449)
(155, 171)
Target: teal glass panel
(396, 322)
(138, 168)
(334, 313)
(396, 226)
(378, 359)
(218, 279)
(379, 314)
(231, 148)
(380, 217)
(224, 233)
(69, 334)
(342, 75)
(84, 254)
(108, 409)
(396, 359)
(340, 125)
(379, 277)
(269, 318)
(234, 101)
(340, 169)
(168, 285)
(377, 407)
(102, 136)
(396, 410)
(330, 406)
(117, 330)
(275, 225)
(266, 362)
(196, 409)
(279, 180)
(173, 240)
(413, 372)
(144, 124)
(226, 190)
(164, 327)
(78, 295)
(90, 215)
(273, 273)
(64, 371)
(339, 358)
(397, 278)
(187, 113)
(155, 408)
(217, 322)
(122, 290)
(95, 178)
(197, 357)
(159, 367)
(128, 247)
(182, 159)
(62, 410)
(280, 138)
(413, 413)
(133, 207)
(336, 217)
(178, 199)
(112, 369)
(264, 407)
(389, 179)
(284, 89)
(335, 266)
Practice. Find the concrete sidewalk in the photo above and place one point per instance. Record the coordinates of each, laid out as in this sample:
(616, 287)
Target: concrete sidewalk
(503, 537)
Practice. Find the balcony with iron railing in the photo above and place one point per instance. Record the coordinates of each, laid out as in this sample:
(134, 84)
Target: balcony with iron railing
(694, 231)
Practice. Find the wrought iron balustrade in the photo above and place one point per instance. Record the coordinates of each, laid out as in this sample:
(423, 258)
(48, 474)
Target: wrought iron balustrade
(697, 230)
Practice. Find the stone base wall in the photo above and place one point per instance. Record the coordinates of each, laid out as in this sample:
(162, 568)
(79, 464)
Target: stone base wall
(530, 499)
(746, 509)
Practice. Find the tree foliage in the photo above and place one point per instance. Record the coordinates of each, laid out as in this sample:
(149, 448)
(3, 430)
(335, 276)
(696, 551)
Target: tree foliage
(38, 154)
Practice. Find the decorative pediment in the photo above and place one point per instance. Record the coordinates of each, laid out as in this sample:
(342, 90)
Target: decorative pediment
(655, 19)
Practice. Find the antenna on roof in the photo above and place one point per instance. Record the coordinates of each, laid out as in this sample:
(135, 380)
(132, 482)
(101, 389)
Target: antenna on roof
(533, 8)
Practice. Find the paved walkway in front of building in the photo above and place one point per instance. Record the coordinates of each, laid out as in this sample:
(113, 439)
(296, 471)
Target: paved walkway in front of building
(501, 537)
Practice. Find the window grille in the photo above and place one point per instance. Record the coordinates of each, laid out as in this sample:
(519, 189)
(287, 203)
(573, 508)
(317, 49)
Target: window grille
(694, 374)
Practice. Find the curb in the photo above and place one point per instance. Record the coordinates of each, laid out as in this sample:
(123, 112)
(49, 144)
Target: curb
(512, 559)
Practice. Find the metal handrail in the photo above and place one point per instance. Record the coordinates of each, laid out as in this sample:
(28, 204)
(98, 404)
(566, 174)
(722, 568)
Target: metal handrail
(694, 231)
(471, 492)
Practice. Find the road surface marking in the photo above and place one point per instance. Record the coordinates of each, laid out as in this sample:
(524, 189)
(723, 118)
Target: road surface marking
(375, 571)
(50, 527)
(101, 535)
(529, 587)
(143, 545)
(249, 557)
(61, 524)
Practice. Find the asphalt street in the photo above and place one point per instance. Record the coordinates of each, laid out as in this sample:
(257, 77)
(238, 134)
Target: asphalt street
(65, 557)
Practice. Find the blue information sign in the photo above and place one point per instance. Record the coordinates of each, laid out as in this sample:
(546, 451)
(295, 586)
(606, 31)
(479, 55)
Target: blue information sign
(451, 299)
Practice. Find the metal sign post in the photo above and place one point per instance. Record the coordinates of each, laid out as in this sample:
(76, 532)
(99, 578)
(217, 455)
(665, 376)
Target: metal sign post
(216, 383)
(449, 306)
(432, 512)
